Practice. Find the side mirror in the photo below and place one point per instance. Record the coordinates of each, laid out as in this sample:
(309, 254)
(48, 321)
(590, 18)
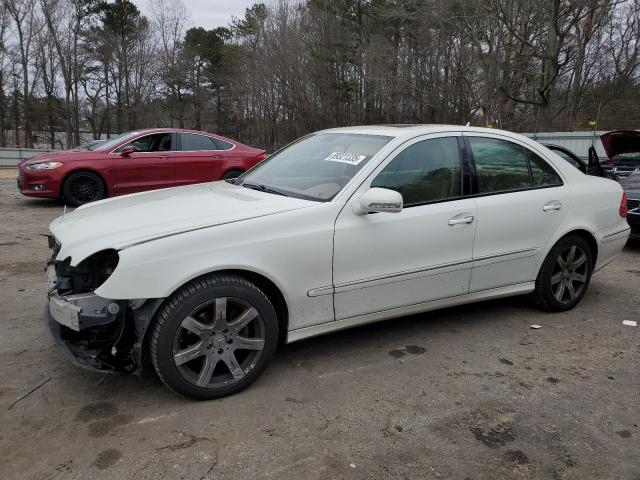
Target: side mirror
(128, 150)
(378, 200)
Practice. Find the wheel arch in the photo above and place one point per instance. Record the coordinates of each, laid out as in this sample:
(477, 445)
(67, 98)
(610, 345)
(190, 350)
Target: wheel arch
(588, 237)
(273, 293)
(583, 233)
(232, 169)
(270, 289)
(83, 169)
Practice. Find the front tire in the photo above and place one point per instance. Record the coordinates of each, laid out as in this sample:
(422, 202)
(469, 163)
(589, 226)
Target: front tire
(214, 337)
(565, 275)
(232, 174)
(83, 187)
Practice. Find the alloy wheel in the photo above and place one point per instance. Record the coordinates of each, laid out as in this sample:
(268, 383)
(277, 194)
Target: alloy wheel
(569, 274)
(85, 189)
(219, 342)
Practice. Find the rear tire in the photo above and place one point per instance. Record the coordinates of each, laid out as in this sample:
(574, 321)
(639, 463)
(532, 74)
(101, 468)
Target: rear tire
(565, 275)
(83, 187)
(214, 337)
(232, 174)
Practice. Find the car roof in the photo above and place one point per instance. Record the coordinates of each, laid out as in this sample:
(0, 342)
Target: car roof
(168, 129)
(145, 131)
(411, 130)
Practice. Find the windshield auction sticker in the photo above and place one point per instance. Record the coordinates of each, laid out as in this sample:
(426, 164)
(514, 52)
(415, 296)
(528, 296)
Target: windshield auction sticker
(350, 158)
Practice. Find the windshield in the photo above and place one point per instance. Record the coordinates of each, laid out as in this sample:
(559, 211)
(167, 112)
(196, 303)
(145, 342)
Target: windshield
(315, 167)
(113, 142)
(92, 145)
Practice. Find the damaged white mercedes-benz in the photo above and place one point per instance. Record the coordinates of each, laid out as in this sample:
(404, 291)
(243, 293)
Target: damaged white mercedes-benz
(341, 228)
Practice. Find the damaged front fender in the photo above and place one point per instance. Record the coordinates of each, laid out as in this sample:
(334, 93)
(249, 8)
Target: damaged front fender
(96, 332)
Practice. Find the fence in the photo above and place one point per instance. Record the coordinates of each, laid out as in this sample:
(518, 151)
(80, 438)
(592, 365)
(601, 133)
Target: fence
(11, 157)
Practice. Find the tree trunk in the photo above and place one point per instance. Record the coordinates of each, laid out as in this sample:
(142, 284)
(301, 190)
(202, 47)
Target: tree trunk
(106, 100)
(3, 138)
(26, 104)
(16, 114)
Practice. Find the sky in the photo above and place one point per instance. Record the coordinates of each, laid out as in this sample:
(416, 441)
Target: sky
(208, 13)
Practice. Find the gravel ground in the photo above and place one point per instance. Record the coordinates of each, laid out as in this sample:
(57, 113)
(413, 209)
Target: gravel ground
(462, 393)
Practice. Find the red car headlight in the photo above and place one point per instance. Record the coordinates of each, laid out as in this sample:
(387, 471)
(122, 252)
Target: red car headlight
(44, 166)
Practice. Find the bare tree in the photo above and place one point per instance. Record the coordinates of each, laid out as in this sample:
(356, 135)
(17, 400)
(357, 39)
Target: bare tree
(287, 67)
(4, 22)
(64, 20)
(170, 18)
(49, 67)
(22, 12)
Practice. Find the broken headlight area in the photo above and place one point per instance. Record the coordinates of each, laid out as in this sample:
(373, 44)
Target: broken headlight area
(97, 333)
(85, 277)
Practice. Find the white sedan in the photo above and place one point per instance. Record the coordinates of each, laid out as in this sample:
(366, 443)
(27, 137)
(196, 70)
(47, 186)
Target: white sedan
(342, 227)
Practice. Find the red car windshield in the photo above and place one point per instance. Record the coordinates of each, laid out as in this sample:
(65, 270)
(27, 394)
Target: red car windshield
(115, 141)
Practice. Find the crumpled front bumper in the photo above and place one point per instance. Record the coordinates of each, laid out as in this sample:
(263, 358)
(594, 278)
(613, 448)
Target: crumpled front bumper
(100, 344)
(86, 328)
(78, 360)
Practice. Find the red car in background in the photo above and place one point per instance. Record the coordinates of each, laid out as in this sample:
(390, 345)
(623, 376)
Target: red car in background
(134, 162)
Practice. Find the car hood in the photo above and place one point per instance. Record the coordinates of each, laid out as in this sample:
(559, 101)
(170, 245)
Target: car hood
(121, 222)
(61, 155)
(621, 141)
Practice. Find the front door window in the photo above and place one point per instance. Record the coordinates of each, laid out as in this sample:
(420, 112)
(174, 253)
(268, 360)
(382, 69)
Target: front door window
(158, 142)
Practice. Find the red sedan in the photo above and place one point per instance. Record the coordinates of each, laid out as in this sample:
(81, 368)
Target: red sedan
(133, 162)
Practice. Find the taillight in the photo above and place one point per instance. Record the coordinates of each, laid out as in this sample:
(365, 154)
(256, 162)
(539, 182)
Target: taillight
(623, 206)
(261, 157)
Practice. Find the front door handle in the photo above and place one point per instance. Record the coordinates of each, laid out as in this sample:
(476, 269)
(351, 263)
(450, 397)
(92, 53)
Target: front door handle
(459, 221)
(552, 206)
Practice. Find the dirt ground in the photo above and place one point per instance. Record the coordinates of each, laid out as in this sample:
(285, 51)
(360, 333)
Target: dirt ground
(463, 393)
(8, 173)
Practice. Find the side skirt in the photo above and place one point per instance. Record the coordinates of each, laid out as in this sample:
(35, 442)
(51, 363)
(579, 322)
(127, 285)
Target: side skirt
(315, 330)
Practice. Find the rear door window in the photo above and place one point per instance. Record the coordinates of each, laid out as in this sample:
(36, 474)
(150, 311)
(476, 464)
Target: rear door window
(542, 175)
(500, 165)
(193, 143)
(503, 166)
(222, 145)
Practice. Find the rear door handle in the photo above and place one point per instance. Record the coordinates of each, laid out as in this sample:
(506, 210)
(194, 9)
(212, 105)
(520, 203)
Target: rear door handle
(552, 206)
(459, 221)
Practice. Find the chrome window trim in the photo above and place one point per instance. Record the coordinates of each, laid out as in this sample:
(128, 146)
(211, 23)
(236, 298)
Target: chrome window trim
(175, 133)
